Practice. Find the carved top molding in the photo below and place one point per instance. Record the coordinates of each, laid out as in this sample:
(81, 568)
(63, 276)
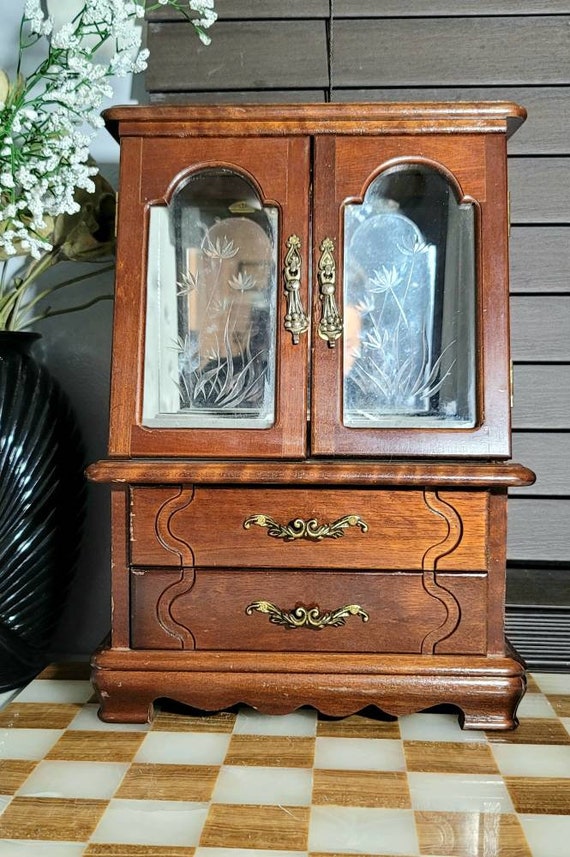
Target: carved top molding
(310, 119)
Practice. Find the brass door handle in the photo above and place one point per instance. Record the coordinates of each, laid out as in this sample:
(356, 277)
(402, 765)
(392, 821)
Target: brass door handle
(307, 617)
(330, 325)
(296, 320)
(309, 529)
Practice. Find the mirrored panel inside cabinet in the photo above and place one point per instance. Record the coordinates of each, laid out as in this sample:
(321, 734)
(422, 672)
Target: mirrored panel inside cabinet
(409, 303)
(211, 306)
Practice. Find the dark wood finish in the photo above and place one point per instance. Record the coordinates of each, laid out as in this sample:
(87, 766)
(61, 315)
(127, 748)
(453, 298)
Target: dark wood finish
(206, 609)
(377, 558)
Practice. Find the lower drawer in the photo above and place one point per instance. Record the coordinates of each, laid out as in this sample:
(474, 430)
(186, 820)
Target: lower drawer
(323, 611)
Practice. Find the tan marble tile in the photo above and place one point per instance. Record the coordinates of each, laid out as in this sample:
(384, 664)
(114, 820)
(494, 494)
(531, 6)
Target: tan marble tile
(535, 730)
(39, 715)
(448, 757)
(271, 750)
(13, 773)
(257, 827)
(168, 782)
(79, 746)
(69, 670)
(540, 795)
(561, 704)
(465, 834)
(358, 726)
(51, 818)
(177, 721)
(110, 850)
(388, 789)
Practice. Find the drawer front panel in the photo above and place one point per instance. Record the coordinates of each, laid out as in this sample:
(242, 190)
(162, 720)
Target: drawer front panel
(229, 609)
(309, 528)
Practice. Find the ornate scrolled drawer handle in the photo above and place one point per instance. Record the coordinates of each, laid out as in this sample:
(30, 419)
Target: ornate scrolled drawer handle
(301, 529)
(307, 617)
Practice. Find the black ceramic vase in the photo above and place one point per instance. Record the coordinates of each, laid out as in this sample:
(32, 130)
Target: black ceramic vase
(41, 508)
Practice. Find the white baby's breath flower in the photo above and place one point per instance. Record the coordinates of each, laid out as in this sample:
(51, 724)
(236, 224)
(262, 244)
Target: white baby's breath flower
(44, 147)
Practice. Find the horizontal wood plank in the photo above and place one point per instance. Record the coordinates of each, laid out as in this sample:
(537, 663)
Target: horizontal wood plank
(545, 132)
(253, 9)
(540, 329)
(542, 397)
(538, 530)
(247, 96)
(436, 51)
(540, 190)
(548, 456)
(367, 53)
(540, 259)
(252, 55)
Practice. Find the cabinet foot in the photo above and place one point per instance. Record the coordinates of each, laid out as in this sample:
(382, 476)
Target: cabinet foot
(485, 690)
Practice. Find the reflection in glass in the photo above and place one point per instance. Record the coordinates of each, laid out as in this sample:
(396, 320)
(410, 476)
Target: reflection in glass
(409, 304)
(212, 286)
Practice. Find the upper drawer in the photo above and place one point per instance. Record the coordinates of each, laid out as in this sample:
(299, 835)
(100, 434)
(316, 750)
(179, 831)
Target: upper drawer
(309, 528)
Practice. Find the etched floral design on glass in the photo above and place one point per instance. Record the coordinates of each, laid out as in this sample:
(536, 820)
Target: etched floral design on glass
(409, 304)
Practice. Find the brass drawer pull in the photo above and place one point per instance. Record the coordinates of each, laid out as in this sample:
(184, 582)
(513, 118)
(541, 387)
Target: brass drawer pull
(307, 617)
(296, 320)
(330, 325)
(301, 529)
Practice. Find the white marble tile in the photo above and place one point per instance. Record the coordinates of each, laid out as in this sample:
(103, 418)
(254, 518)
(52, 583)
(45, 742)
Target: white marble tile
(484, 793)
(4, 801)
(269, 786)
(301, 723)
(555, 683)
(151, 822)
(437, 727)
(532, 760)
(246, 852)
(356, 830)
(56, 690)
(37, 848)
(7, 696)
(74, 779)
(359, 754)
(566, 723)
(87, 719)
(547, 835)
(183, 748)
(535, 705)
(30, 744)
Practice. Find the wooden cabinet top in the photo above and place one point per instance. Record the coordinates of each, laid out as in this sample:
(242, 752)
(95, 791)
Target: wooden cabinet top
(302, 119)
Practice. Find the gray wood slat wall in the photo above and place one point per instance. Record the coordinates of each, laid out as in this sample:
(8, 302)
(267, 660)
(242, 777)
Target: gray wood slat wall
(440, 50)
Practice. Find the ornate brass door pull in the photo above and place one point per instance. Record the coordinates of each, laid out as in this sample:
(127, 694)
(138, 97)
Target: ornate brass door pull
(307, 617)
(296, 320)
(330, 325)
(301, 529)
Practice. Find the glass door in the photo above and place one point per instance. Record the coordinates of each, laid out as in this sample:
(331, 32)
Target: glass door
(225, 293)
(398, 367)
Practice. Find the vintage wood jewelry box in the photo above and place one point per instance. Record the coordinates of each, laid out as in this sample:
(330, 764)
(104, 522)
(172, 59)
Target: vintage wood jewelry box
(310, 411)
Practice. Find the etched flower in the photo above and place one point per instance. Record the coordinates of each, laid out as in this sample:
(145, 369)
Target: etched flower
(242, 282)
(385, 280)
(221, 248)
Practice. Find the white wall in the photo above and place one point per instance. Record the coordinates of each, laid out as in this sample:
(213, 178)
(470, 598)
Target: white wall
(76, 348)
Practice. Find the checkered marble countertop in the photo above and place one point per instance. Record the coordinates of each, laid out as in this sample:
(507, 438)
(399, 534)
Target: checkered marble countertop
(241, 784)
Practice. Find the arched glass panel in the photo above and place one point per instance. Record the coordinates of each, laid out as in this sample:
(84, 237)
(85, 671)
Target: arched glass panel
(211, 313)
(409, 304)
